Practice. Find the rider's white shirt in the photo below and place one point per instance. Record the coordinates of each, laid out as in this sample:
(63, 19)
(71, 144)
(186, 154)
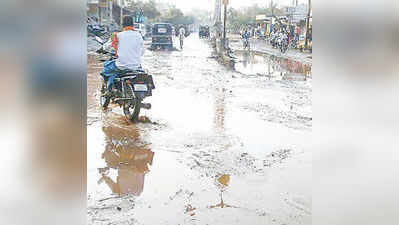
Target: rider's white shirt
(130, 50)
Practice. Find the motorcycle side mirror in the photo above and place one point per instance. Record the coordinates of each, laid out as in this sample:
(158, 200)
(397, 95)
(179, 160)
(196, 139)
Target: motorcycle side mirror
(99, 40)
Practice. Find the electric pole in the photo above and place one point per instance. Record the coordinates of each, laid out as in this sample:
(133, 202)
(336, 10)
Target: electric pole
(217, 18)
(110, 10)
(122, 3)
(225, 2)
(99, 12)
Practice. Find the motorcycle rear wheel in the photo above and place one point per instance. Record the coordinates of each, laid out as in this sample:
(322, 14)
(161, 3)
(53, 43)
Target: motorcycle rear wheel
(131, 108)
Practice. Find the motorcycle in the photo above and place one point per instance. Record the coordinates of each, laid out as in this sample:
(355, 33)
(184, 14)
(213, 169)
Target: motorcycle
(274, 41)
(293, 44)
(283, 44)
(129, 89)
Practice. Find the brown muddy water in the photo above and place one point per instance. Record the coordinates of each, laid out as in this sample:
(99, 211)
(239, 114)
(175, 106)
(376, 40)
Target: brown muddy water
(220, 146)
(271, 66)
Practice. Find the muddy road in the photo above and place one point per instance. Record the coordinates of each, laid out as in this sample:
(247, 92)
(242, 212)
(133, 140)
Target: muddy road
(218, 147)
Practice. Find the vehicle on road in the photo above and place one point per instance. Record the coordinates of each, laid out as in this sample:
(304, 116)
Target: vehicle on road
(162, 36)
(129, 89)
(283, 44)
(293, 43)
(204, 32)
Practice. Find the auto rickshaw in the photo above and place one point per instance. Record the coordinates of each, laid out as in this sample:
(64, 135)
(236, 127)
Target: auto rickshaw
(162, 36)
(203, 32)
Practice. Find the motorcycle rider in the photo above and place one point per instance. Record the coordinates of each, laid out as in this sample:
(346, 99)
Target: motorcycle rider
(129, 48)
(283, 39)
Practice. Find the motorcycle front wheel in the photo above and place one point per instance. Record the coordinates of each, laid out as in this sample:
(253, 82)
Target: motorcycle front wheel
(131, 108)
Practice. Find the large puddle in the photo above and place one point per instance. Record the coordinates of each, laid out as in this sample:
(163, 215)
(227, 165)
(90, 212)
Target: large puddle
(223, 147)
(253, 63)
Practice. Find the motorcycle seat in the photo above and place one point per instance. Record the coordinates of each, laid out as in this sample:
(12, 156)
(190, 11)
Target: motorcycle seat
(126, 73)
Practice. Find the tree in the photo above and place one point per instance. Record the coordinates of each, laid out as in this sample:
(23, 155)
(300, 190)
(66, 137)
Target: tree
(148, 8)
(175, 16)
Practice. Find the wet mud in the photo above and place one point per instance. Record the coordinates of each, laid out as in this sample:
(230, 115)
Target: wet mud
(218, 147)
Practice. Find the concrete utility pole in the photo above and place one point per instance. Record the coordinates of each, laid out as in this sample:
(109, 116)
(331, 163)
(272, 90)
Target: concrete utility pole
(99, 13)
(121, 5)
(308, 23)
(225, 2)
(217, 18)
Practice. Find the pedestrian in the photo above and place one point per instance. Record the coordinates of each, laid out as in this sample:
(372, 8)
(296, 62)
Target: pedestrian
(181, 36)
(297, 31)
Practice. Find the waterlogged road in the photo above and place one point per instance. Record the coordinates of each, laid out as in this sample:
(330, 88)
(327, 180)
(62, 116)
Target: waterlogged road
(220, 146)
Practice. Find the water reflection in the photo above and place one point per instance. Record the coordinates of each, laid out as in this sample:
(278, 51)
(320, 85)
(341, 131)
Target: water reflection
(253, 63)
(125, 153)
(220, 109)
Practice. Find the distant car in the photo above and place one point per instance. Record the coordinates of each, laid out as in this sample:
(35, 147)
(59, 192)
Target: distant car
(141, 28)
(162, 36)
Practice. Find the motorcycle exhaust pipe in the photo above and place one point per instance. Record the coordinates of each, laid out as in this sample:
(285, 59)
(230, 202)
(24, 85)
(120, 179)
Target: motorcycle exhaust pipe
(146, 106)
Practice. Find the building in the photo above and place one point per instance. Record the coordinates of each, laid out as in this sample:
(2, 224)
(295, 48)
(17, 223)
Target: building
(100, 10)
(264, 23)
(296, 17)
(92, 8)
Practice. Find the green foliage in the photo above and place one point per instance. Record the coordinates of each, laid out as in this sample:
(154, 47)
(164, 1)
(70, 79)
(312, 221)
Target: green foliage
(149, 8)
(203, 17)
(239, 18)
(175, 16)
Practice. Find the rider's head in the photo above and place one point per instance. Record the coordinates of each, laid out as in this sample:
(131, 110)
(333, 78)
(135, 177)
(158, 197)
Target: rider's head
(127, 21)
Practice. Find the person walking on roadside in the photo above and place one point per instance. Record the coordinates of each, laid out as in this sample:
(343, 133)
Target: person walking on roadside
(245, 37)
(297, 31)
(181, 37)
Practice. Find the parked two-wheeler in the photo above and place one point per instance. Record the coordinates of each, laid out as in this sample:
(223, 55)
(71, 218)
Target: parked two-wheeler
(293, 44)
(274, 41)
(129, 89)
(283, 44)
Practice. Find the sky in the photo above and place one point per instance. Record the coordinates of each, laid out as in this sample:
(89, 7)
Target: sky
(187, 5)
